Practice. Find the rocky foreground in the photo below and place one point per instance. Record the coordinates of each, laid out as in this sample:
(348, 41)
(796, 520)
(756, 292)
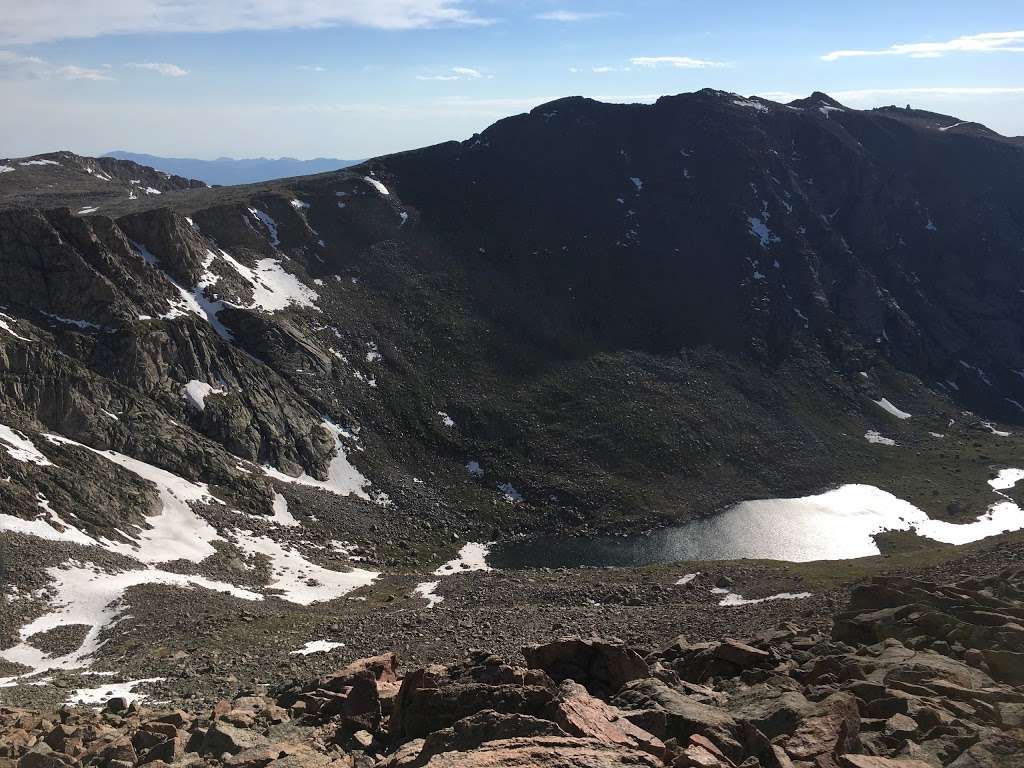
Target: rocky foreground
(914, 674)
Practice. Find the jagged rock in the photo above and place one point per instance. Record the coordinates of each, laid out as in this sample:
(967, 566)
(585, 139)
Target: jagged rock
(834, 730)
(684, 717)
(580, 714)
(429, 701)
(992, 751)
(602, 667)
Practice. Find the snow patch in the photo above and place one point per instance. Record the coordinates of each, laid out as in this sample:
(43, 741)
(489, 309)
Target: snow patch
(472, 557)
(751, 105)
(176, 533)
(296, 578)
(273, 288)
(889, 408)
(376, 185)
(20, 448)
(1006, 479)
(269, 223)
(510, 494)
(342, 478)
(5, 324)
(428, 591)
(760, 230)
(196, 392)
(100, 695)
(733, 600)
(316, 646)
(874, 437)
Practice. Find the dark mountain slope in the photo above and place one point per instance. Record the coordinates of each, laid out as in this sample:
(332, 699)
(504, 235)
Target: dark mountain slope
(752, 216)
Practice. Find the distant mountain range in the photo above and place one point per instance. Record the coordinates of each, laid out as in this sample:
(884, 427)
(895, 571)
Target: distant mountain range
(228, 170)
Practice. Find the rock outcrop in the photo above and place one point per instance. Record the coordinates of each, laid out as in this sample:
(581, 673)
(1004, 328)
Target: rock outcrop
(786, 700)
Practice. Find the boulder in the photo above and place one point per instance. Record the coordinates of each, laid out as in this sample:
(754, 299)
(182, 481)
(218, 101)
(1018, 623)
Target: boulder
(1005, 665)
(222, 737)
(381, 668)
(741, 654)
(771, 711)
(834, 730)
(429, 701)
(602, 667)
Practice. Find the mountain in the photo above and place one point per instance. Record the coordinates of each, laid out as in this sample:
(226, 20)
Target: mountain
(225, 171)
(276, 409)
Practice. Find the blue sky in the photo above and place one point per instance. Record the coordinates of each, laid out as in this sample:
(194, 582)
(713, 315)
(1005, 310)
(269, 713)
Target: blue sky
(356, 78)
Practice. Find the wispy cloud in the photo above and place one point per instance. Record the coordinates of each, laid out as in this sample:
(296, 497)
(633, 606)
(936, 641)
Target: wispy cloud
(163, 68)
(606, 70)
(986, 42)
(310, 68)
(571, 16)
(73, 72)
(16, 66)
(456, 73)
(679, 62)
(49, 20)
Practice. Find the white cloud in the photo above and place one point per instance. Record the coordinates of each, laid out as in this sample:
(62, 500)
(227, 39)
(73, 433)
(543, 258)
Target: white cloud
(456, 73)
(986, 42)
(605, 70)
(73, 72)
(167, 70)
(49, 20)
(679, 62)
(310, 68)
(571, 16)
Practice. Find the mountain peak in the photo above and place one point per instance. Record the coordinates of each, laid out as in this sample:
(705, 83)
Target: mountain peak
(817, 99)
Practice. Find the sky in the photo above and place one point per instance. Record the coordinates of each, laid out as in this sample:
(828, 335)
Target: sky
(356, 78)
